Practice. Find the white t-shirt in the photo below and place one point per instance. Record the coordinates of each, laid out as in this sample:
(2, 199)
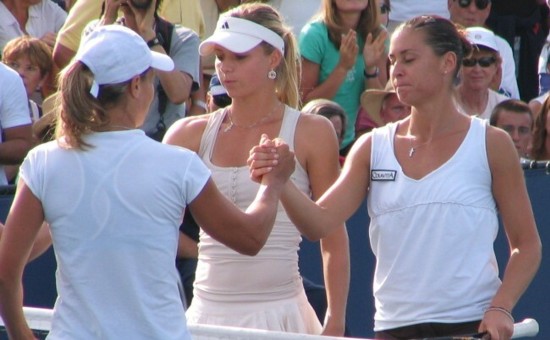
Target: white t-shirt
(402, 10)
(46, 16)
(14, 107)
(114, 212)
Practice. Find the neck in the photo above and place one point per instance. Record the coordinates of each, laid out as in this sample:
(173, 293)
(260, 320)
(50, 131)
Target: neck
(473, 100)
(19, 9)
(350, 20)
(427, 123)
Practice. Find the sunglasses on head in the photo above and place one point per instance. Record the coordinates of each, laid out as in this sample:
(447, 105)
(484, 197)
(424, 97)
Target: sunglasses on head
(480, 4)
(384, 9)
(483, 61)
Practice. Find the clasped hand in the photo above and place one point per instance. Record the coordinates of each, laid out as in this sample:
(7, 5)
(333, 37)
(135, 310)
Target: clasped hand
(271, 160)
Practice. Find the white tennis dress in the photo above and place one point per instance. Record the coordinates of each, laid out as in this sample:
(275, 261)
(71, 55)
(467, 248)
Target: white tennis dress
(263, 291)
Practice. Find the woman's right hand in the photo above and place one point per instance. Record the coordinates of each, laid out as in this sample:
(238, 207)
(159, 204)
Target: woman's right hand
(348, 50)
(271, 160)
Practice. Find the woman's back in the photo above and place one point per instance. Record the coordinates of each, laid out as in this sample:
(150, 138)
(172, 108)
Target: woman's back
(114, 211)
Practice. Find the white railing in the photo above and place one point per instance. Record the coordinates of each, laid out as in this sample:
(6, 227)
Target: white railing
(40, 319)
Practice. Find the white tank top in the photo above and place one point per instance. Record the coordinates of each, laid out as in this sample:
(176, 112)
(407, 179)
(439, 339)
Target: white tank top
(224, 275)
(433, 237)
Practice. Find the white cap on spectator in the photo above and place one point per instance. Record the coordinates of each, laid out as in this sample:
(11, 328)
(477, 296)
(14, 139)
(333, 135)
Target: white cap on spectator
(481, 36)
(239, 36)
(116, 54)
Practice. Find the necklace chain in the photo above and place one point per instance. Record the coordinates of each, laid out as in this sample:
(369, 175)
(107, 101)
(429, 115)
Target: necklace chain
(250, 126)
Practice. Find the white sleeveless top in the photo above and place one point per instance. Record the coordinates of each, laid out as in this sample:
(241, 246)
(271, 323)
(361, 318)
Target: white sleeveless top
(433, 237)
(224, 275)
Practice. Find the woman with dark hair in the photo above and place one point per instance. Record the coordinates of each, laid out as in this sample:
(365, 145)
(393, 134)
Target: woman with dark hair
(433, 182)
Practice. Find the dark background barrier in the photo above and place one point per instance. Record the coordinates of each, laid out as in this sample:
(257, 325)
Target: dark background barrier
(39, 278)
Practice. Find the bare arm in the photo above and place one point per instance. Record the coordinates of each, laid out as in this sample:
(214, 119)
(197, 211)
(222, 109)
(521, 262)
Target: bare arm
(514, 206)
(22, 226)
(310, 87)
(17, 142)
(62, 55)
(320, 156)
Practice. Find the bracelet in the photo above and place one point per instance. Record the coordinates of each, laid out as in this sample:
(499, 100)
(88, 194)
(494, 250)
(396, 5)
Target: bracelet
(502, 310)
(200, 104)
(371, 75)
(153, 42)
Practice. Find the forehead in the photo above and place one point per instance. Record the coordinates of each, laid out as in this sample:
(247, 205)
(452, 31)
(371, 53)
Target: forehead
(506, 117)
(405, 40)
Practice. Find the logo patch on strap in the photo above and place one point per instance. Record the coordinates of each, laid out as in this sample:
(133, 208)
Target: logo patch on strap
(383, 175)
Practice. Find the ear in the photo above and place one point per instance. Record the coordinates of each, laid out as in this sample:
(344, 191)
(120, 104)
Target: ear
(275, 59)
(448, 63)
(134, 87)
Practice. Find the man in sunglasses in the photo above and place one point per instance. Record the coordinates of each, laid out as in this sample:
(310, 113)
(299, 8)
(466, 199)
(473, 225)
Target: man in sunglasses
(471, 13)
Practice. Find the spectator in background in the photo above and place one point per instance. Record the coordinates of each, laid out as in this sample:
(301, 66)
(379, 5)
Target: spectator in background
(473, 94)
(515, 117)
(333, 112)
(474, 13)
(172, 88)
(540, 145)
(523, 23)
(32, 59)
(380, 107)
(15, 121)
(385, 8)
(38, 18)
(184, 12)
(343, 51)
(403, 10)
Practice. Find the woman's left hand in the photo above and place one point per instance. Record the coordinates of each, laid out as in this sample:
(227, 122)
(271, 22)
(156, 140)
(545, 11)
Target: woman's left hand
(374, 49)
(499, 325)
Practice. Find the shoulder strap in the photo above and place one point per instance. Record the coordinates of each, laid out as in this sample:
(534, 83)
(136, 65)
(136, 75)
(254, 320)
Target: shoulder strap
(164, 29)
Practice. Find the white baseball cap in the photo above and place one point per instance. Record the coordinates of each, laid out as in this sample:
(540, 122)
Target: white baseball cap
(239, 36)
(115, 54)
(481, 36)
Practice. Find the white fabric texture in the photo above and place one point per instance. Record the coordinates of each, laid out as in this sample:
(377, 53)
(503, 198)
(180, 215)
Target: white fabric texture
(432, 237)
(114, 212)
(14, 107)
(46, 16)
(262, 291)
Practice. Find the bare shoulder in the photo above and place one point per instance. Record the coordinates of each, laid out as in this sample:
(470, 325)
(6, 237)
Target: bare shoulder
(500, 149)
(315, 134)
(187, 132)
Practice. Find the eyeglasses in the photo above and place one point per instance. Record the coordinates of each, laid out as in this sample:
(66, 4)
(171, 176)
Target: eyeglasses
(483, 61)
(384, 9)
(480, 4)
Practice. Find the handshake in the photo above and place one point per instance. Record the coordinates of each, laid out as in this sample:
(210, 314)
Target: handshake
(271, 161)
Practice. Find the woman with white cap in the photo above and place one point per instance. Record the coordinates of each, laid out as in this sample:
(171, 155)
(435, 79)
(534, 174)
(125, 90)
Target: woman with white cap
(114, 200)
(474, 94)
(256, 61)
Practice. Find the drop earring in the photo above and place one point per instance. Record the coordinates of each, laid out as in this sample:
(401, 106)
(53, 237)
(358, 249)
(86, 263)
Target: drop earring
(272, 74)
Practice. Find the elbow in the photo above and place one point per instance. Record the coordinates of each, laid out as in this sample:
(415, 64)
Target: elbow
(252, 245)
(178, 98)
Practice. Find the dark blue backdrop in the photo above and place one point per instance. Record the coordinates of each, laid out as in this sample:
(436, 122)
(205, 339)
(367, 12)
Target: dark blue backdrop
(39, 280)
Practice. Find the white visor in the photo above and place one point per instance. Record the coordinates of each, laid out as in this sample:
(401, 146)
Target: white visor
(239, 36)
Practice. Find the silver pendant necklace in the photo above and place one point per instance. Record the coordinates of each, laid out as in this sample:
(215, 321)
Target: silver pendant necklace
(250, 126)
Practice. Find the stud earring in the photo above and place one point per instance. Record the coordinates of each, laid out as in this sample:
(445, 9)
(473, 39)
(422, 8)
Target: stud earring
(272, 74)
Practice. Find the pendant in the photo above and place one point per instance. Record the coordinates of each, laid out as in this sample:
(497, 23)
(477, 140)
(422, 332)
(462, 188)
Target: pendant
(411, 152)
